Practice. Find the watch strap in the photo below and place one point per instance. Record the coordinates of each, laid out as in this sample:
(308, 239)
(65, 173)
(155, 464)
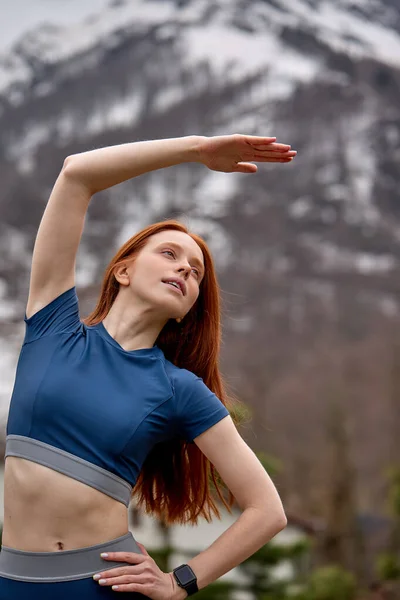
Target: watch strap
(191, 588)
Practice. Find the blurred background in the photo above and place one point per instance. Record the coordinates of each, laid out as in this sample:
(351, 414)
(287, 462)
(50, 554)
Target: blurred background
(307, 253)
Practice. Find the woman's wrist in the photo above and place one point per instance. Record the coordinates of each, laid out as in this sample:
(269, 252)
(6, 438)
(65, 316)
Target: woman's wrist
(178, 593)
(193, 151)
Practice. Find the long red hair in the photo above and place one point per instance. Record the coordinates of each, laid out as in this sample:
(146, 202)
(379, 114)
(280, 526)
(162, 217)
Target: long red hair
(175, 479)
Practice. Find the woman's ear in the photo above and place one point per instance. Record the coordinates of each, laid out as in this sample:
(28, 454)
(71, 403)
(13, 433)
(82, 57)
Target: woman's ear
(121, 274)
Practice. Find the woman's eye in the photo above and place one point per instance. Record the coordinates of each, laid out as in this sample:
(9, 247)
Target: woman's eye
(169, 252)
(196, 272)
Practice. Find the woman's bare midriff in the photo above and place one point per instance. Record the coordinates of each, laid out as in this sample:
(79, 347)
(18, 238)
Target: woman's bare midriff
(47, 511)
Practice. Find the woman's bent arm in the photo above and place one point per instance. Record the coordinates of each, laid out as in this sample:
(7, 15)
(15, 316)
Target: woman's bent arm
(252, 530)
(263, 515)
(102, 168)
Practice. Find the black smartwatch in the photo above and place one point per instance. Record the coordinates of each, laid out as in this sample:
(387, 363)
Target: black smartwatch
(186, 579)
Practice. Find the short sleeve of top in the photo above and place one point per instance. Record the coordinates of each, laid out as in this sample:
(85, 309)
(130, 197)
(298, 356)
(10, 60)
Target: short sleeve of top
(60, 315)
(197, 407)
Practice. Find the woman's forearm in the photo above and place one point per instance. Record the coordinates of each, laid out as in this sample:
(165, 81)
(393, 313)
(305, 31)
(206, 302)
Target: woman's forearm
(102, 168)
(252, 530)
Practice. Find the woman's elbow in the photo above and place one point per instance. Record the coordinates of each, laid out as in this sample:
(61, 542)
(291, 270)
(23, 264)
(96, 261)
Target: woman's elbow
(274, 523)
(281, 522)
(278, 523)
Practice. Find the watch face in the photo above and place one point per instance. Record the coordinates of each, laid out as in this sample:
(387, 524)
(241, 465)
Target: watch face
(185, 575)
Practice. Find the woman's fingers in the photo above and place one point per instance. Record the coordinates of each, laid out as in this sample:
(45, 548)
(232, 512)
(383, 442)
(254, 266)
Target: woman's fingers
(266, 156)
(246, 168)
(117, 572)
(243, 167)
(262, 143)
(272, 147)
(257, 139)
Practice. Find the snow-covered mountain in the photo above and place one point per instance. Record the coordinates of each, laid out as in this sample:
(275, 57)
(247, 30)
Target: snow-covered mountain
(250, 35)
(298, 246)
(144, 61)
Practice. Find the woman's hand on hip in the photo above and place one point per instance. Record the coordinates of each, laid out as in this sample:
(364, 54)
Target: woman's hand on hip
(236, 153)
(142, 575)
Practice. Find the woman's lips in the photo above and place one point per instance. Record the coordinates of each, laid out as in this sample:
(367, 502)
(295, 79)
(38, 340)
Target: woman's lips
(176, 289)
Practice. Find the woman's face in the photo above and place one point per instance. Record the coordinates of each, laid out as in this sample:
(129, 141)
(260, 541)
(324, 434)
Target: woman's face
(167, 272)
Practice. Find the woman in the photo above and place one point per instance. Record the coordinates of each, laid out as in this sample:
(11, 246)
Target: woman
(128, 400)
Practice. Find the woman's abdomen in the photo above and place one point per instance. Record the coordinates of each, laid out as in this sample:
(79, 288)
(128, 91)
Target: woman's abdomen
(47, 511)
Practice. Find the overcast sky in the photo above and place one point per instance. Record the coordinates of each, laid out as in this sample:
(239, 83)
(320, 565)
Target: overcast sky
(18, 16)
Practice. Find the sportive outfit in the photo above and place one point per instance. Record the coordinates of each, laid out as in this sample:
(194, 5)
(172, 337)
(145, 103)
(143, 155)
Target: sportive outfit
(84, 406)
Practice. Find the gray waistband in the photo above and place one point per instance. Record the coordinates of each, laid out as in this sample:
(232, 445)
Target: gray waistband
(69, 464)
(65, 565)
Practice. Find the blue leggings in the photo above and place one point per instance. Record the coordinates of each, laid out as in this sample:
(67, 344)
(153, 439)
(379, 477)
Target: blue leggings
(81, 589)
(62, 575)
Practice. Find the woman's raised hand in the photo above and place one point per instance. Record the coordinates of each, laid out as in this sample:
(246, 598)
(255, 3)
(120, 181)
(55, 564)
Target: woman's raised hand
(236, 153)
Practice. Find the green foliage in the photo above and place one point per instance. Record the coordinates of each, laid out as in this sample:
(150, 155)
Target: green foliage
(330, 583)
(388, 563)
(258, 568)
(279, 592)
(388, 566)
(272, 554)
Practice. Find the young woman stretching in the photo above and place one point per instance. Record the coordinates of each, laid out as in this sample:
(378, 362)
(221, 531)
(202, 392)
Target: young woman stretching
(128, 400)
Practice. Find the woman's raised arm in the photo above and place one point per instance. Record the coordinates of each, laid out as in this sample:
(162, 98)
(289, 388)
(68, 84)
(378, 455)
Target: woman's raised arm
(104, 167)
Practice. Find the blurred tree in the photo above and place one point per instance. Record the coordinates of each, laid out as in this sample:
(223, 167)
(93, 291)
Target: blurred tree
(330, 583)
(388, 563)
(258, 568)
(341, 543)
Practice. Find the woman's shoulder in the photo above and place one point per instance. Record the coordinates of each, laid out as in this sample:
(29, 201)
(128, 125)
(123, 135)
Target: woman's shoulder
(180, 378)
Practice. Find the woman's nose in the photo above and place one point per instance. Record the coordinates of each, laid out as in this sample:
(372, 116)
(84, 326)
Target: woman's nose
(185, 269)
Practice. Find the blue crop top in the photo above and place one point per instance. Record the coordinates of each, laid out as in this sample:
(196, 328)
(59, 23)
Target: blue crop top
(84, 406)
